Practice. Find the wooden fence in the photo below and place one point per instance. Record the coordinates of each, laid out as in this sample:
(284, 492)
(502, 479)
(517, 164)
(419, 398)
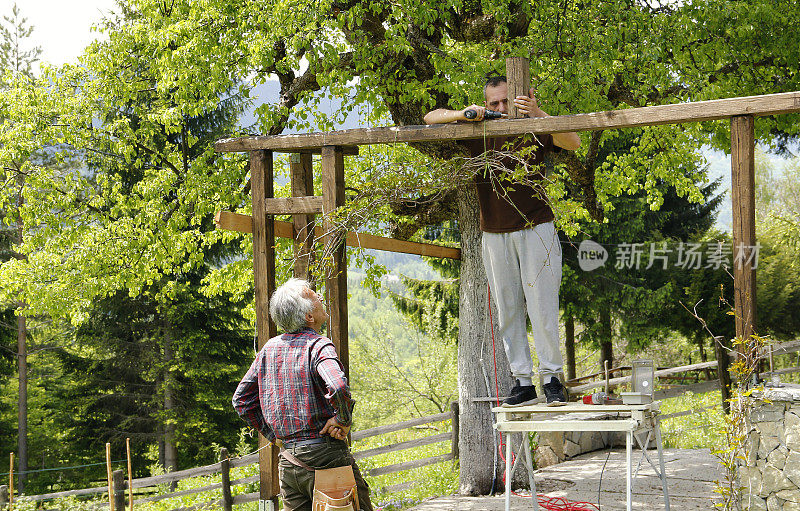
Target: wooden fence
(227, 500)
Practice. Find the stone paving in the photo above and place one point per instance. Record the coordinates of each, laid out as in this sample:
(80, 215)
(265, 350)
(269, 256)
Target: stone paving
(690, 474)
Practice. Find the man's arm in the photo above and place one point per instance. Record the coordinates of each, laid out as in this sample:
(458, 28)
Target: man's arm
(528, 105)
(247, 404)
(330, 370)
(443, 115)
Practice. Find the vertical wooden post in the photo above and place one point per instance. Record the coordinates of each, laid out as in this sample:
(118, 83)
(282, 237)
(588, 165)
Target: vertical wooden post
(110, 477)
(302, 176)
(518, 76)
(130, 472)
(721, 349)
(569, 345)
(11, 482)
(225, 469)
(261, 179)
(744, 223)
(119, 490)
(454, 421)
(336, 274)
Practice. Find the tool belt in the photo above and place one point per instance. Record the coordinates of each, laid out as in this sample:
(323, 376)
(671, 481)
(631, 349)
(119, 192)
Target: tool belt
(334, 488)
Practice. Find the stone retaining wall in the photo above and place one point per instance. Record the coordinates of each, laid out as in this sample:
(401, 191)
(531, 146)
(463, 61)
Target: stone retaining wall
(770, 475)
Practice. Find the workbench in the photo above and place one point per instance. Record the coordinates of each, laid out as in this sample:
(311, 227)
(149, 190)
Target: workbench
(636, 421)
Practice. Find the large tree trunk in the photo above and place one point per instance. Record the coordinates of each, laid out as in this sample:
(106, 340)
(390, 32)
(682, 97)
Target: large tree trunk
(569, 345)
(475, 443)
(22, 428)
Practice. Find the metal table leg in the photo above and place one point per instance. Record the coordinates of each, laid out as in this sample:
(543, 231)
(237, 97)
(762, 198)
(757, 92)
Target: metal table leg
(526, 445)
(657, 428)
(508, 471)
(628, 453)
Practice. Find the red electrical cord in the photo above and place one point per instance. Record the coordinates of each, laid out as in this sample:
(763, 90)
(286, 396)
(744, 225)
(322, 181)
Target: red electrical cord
(545, 502)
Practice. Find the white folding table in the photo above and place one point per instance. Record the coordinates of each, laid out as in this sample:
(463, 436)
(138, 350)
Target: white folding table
(635, 421)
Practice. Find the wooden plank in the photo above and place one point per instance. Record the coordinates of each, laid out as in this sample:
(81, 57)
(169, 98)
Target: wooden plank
(244, 223)
(408, 465)
(302, 179)
(244, 480)
(244, 498)
(570, 425)
(696, 388)
(662, 418)
(788, 370)
(780, 349)
(262, 187)
(518, 79)
(362, 240)
(770, 104)
(744, 222)
(400, 446)
(202, 505)
(625, 379)
(336, 268)
(396, 488)
(176, 476)
(69, 493)
(182, 493)
(293, 205)
(244, 460)
(162, 479)
(390, 428)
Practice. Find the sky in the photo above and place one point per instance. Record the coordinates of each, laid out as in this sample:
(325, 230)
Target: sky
(61, 28)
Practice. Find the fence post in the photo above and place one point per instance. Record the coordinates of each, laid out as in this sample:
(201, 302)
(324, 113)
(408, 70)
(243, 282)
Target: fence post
(722, 350)
(225, 468)
(454, 420)
(119, 490)
(3, 496)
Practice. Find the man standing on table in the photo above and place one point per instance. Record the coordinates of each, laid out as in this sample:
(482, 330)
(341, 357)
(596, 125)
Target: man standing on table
(296, 392)
(521, 249)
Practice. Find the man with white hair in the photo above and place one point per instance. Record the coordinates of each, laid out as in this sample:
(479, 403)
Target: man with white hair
(296, 392)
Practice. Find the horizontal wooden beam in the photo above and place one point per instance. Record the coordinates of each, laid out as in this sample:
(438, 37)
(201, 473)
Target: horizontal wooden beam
(244, 223)
(293, 205)
(401, 446)
(390, 428)
(408, 465)
(771, 104)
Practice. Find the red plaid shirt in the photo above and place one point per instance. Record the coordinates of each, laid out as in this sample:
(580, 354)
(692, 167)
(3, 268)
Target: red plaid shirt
(295, 384)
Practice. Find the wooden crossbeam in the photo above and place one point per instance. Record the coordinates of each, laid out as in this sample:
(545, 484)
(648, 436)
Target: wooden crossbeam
(771, 104)
(244, 223)
(293, 205)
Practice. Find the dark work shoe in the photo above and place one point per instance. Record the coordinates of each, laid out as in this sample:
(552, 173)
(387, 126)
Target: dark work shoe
(555, 393)
(520, 395)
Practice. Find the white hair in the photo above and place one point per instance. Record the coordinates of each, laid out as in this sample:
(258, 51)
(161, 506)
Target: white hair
(290, 303)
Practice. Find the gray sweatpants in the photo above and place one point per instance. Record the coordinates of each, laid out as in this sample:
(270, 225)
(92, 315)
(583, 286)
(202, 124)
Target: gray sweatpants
(524, 269)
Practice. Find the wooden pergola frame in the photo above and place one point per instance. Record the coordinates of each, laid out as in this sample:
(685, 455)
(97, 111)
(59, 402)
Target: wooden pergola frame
(334, 145)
